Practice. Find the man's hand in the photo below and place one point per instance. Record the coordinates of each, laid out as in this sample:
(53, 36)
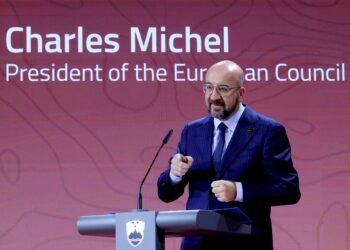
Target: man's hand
(180, 164)
(224, 191)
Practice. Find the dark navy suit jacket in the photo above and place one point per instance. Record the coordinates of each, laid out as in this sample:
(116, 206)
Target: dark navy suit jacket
(258, 156)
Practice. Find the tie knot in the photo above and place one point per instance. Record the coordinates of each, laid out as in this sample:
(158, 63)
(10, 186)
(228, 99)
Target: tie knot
(222, 127)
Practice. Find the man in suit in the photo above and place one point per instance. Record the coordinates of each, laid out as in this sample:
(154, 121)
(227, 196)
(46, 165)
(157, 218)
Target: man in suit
(234, 157)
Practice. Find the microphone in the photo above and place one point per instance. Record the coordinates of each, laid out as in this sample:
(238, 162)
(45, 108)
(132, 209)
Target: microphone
(165, 141)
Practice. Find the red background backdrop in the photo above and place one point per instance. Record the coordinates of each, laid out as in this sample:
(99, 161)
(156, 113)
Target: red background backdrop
(71, 149)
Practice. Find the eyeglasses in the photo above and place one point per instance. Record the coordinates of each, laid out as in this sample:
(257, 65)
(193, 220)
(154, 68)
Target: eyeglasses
(222, 90)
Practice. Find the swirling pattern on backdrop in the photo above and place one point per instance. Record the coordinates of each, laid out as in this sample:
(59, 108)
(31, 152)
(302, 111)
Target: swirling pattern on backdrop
(71, 149)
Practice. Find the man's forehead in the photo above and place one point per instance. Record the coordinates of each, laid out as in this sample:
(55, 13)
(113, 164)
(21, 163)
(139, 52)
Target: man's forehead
(219, 76)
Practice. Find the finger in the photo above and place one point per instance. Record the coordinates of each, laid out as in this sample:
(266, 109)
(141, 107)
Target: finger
(176, 159)
(179, 157)
(178, 172)
(181, 170)
(221, 196)
(216, 183)
(184, 166)
(189, 160)
(217, 190)
(222, 199)
(184, 159)
(174, 170)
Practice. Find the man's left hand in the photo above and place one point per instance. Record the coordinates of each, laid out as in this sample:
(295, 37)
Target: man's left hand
(224, 191)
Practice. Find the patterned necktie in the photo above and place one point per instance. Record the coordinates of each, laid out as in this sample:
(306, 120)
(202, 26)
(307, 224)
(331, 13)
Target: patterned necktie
(217, 156)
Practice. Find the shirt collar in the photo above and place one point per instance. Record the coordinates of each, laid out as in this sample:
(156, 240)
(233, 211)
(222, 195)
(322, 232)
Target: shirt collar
(231, 123)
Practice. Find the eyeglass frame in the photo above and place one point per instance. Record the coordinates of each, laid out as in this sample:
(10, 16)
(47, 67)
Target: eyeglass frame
(224, 94)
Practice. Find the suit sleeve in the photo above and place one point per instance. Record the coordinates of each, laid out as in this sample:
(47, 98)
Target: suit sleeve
(168, 191)
(279, 184)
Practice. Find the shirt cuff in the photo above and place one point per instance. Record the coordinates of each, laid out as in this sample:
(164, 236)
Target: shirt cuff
(239, 190)
(174, 179)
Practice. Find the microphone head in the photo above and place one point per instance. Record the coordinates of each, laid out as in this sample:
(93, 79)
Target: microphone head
(167, 137)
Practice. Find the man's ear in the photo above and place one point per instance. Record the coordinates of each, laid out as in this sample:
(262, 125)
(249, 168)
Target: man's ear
(241, 93)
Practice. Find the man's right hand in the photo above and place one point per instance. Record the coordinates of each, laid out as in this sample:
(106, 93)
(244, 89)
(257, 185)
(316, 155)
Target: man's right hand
(180, 164)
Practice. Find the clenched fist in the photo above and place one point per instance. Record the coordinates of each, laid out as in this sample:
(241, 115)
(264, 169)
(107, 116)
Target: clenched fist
(224, 191)
(180, 164)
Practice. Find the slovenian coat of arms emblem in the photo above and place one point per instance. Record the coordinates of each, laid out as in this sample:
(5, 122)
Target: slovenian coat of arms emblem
(135, 232)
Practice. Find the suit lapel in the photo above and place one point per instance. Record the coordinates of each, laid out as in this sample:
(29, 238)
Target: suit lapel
(244, 132)
(205, 146)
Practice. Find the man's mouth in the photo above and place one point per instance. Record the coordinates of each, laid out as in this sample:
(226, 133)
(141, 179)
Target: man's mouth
(217, 104)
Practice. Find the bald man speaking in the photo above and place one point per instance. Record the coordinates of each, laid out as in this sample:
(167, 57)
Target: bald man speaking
(234, 157)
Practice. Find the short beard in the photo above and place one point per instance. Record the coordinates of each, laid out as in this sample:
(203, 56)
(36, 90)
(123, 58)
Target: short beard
(221, 116)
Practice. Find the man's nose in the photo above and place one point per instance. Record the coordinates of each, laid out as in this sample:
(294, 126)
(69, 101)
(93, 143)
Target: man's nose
(215, 95)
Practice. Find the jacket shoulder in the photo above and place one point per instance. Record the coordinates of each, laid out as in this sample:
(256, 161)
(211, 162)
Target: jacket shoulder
(200, 121)
(262, 119)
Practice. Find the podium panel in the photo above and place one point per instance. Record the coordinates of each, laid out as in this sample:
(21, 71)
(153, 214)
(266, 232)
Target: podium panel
(148, 229)
(137, 230)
